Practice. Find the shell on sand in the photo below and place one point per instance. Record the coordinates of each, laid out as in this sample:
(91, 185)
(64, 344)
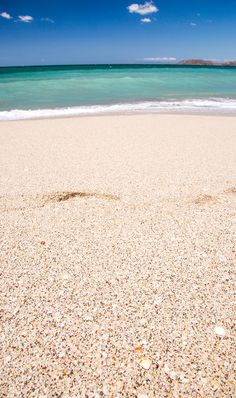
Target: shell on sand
(220, 331)
(145, 363)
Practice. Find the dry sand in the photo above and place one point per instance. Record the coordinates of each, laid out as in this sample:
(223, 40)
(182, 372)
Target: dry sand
(118, 257)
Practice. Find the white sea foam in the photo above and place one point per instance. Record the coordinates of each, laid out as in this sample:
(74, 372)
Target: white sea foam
(215, 104)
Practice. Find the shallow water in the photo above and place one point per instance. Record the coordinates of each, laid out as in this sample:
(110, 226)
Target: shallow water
(71, 90)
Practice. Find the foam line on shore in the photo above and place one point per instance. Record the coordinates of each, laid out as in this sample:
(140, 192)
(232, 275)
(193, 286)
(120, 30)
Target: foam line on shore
(214, 104)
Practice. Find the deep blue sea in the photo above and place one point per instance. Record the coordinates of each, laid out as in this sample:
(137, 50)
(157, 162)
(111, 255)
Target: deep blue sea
(44, 91)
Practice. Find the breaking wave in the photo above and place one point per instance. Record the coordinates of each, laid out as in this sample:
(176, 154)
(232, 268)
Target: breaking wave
(221, 105)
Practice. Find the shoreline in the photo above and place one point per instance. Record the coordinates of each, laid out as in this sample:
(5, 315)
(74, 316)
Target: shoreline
(206, 113)
(183, 113)
(210, 106)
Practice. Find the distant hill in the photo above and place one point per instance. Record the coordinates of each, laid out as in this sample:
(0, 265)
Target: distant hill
(230, 63)
(206, 62)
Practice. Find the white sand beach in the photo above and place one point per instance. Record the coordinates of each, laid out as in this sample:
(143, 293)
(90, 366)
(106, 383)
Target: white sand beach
(118, 256)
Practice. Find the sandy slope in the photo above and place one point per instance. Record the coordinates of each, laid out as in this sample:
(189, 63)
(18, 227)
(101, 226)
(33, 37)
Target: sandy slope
(118, 256)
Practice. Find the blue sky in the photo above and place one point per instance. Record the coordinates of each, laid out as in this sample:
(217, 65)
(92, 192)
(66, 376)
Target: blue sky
(115, 31)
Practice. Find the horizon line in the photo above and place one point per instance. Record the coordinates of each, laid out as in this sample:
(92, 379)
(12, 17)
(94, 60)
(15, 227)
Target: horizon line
(218, 63)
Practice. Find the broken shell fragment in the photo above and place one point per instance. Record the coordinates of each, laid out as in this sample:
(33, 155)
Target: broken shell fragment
(145, 363)
(220, 331)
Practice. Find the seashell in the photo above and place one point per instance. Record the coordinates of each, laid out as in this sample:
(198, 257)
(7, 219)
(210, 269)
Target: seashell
(220, 331)
(145, 363)
(88, 318)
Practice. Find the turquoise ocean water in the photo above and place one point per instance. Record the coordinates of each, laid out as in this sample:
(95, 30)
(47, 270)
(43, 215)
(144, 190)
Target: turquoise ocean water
(27, 92)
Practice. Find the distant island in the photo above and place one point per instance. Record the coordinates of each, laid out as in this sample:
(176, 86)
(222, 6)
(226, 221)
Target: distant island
(206, 62)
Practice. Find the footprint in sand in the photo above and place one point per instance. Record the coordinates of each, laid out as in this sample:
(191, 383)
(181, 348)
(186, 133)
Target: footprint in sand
(205, 199)
(20, 202)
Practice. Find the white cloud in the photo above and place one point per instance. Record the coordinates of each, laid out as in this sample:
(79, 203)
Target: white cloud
(26, 18)
(5, 15)
(146, 20)
(142, 9)
(48, 20)
(193, 24)
(159, 59)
